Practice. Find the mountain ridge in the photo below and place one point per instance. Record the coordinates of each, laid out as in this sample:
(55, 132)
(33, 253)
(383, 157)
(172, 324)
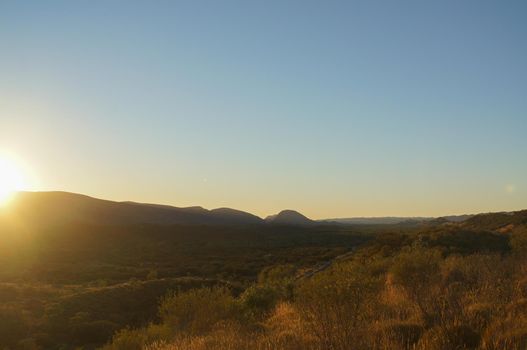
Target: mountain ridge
(59, 207)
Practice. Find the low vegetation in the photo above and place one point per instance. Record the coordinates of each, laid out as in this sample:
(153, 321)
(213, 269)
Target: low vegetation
(445, 288)
(74, 286)
(427, 286)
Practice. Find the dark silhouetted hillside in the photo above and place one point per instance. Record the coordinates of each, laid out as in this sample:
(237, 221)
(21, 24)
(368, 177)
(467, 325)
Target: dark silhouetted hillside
(64, 207)
(289, 217)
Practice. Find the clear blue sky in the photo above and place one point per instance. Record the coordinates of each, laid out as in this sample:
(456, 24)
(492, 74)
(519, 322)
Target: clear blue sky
(334, 108)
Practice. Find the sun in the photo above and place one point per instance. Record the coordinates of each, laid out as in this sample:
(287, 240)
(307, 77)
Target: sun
(12, 179)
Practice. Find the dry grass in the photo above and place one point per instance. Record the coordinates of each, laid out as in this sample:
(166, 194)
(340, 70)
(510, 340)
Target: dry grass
(419, 300)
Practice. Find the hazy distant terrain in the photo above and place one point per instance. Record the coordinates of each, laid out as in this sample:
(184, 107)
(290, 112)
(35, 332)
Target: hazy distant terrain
(390, 220)
(377, 220)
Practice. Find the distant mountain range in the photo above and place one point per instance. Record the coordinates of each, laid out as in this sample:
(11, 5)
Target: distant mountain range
(393, 220)
(64, 207)
(388, 220)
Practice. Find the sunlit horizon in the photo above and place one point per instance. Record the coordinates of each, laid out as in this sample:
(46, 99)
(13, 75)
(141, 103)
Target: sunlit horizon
(14, 177)
(343, 109)
(264, 214)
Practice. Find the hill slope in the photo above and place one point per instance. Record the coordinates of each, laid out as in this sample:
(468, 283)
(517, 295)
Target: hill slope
(64, 207)
(289, 217)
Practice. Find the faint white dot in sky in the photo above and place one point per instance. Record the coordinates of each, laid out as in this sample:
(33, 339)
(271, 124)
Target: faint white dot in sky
(510, 188)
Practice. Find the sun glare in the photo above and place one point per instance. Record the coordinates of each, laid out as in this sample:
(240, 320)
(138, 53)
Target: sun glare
(12, 179)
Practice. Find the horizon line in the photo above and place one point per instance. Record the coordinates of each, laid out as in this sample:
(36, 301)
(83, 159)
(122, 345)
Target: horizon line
(263, 217)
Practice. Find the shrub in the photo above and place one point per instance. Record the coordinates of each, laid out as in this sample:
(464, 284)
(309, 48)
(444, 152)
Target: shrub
(258, 300)
(13, 327)
(398, 334)
(198, 310)
(335, 305)
(518, 240)
(450, 337)
(137, 339)
(416, 270)
(277, 274)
